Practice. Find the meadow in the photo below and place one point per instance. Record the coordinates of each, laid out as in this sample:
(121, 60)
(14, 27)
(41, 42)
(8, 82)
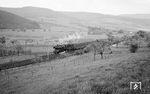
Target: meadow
(81, 75)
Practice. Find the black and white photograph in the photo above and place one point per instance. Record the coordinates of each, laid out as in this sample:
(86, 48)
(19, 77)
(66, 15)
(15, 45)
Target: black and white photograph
(74, 46)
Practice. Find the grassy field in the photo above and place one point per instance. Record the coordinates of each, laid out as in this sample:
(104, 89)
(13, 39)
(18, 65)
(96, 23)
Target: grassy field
(81, 75)
(40, 49)
(35, 51)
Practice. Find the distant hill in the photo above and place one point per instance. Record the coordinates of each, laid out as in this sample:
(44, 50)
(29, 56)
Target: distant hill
(139, 16)
(30, 12)
(45, 17)
(78, 20)
(12, 21)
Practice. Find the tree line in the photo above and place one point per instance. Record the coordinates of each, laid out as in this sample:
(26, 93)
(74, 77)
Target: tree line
(15, 49)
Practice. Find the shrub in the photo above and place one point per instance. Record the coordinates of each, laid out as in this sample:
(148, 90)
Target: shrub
(2, 40)
(78, 52)
(120, 31)
(133, 48)
(148, 45)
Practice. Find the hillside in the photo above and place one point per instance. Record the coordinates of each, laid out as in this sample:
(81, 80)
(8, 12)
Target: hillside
(12, 21)
(45, 17)
(111, 21)
(78, 21)
(139, 16)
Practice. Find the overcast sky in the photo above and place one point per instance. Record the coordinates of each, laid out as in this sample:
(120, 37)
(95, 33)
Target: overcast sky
(100, 6)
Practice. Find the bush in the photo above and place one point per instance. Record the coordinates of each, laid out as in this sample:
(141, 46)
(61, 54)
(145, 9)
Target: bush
(148, 45)
(133, 48)
(78, 52)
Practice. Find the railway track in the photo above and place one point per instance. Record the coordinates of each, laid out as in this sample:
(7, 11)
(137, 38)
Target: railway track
(43, 58)
(39, 59)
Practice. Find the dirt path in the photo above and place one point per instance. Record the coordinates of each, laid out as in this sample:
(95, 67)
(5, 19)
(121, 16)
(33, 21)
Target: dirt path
(43, 77)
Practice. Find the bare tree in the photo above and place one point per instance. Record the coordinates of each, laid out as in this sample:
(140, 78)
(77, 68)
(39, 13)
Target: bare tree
(99, 46)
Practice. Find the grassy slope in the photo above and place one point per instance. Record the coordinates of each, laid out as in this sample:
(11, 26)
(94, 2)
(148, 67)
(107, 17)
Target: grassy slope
(113, 79)
(80, 75)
